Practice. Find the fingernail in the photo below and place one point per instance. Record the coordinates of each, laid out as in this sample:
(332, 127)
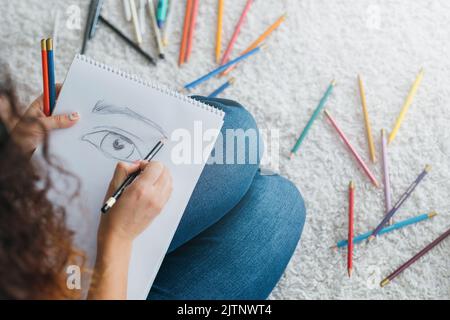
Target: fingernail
(74, 116)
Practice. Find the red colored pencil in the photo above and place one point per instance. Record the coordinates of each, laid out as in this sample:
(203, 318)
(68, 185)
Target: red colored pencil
(191, 29)
(237, 30)
(46, 94)
(187, 19)
(351, 205)
(420, 254)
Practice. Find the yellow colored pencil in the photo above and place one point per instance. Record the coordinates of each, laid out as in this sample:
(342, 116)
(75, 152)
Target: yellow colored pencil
(260, 39)
(406, 106)
(366, 120)
(219, 31)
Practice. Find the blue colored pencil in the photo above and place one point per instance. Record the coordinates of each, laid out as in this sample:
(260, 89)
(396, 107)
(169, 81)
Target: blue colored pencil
(222, 88)
(51, 75)
(220, 69)
(311, 120)
(361, 237)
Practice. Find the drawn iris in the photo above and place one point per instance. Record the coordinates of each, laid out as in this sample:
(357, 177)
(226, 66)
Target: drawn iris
(114, 143)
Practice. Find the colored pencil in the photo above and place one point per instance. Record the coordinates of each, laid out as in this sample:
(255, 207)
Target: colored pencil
(236, 32)
(219, 30)
(51, 75)
(191, 30)
(168, 24)
(183, 44)
(353, 151)
(222, 88)
(399, 203)
(386, 180)
(416, 257)
(351, 205)
(398, 225)
(366, 120)
(46, 94)
(142, 5)
(127, 9)
(406, 106)
(151, 9)
(311, 120)
(161, 13)
(220, 69)
(135, 19)
(260, 39)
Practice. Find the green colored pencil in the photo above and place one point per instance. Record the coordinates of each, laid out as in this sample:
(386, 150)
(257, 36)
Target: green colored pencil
(313, 117)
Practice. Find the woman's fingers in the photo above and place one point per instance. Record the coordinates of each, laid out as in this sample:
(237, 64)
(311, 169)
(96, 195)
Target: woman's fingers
(123, 170)
(150, 174)
(60, 121)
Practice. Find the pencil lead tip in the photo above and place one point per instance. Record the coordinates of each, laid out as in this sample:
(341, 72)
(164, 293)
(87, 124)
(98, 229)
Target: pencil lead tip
(432, 214)
(161, 56)
(371, 238)
(333, 82)
(384, 282)
(350, 273)
(427, 168)
(232, 80)
(334, 248)
(291, 155)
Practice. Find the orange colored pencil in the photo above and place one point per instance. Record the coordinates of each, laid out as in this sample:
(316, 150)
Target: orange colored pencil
(187, 19)
(351, 205)
(46, 94)
(260, 39)
(191, 29)
(219, 30)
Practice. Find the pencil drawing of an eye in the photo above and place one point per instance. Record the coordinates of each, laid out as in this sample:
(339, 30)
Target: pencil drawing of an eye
(115, 143)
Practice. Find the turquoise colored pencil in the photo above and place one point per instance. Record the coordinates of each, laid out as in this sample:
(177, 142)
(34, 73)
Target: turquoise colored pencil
(404, 223)
(222, 88)
(313, 117)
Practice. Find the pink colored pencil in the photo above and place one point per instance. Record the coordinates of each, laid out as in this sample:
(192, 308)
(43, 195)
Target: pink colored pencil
(191, 30)
(352, 150)
(387, 184)
(237, 30)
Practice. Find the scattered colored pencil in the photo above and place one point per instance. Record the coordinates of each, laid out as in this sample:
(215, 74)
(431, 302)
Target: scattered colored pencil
(314, 116)
(191, 30)
(187, 19)
(219, 30)
(168, 25)
(157, 32)
(127, 9)
(353, 151)
(161, 12)
(406, 106)
(351, 205)
(401, 224)
(222, 88)
(135, 19)
(420, 254)
(237, 30)
(51, 75)
(399, 203)
(386, 180)
(260, 39)
(366, 120)
(46, 94)
(220, 69)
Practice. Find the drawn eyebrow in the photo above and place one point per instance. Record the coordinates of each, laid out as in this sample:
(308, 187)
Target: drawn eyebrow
(104, 108)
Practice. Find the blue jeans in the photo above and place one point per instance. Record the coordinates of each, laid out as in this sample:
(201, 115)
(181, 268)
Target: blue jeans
(238, 232)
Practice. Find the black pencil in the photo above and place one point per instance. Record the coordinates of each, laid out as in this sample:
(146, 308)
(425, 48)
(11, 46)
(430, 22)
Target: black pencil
(116, 195)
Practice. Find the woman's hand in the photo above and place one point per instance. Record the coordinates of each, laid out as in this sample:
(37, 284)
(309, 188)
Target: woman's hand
(139, 204)
(29, 135)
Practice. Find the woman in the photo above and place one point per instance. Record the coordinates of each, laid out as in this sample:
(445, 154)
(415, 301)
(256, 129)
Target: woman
(234, 241)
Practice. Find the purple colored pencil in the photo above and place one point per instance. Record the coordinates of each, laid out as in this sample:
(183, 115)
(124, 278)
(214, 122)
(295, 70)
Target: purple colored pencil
(386, 180)
(399, 203)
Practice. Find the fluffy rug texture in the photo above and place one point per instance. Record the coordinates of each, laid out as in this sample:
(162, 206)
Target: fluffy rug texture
(387, 42)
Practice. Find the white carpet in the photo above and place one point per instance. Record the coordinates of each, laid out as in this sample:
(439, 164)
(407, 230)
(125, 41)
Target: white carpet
(387, 43)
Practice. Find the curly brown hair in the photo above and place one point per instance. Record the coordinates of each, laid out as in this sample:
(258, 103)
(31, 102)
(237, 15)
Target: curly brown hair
(36, 246)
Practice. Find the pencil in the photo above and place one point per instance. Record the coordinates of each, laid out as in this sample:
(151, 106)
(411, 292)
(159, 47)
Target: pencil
(352, 150)
(220, 69)
(399, 203)
(46, 94)
(152, 12)
(127, 9)
(161, 13)
(187, 18)
(366, 120)
(219, 30)
(416, 257)
(135, 19)
(222, 88)
(191, 30)
(51, 75)
(168, 24)
(260, 39)
(386, 180)
(351, 201)
(236, 32)
(315, 114)
(398, 225)
(406, 106)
